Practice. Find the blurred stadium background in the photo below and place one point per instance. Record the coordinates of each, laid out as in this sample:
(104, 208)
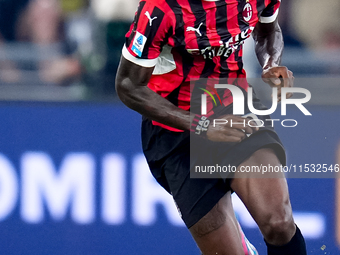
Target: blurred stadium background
(72, 176)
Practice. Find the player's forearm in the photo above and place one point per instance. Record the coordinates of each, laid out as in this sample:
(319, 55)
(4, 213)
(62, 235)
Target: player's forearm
(153, 106)
(268, 44)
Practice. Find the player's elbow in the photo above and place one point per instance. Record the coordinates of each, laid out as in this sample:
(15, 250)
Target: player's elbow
(123, 89)
(119, 85)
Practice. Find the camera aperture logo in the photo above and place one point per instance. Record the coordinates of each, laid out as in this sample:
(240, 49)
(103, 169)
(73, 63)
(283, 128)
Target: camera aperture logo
(239, 104)
(210, 94)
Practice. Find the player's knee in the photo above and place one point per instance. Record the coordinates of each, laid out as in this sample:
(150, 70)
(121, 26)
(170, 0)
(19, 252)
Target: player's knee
(279, 228)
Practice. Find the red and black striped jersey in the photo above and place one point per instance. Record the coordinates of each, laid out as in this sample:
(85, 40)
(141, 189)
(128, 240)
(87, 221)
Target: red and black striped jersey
(186, 40)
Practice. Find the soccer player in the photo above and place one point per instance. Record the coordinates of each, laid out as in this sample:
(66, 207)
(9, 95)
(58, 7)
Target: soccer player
(174, 42)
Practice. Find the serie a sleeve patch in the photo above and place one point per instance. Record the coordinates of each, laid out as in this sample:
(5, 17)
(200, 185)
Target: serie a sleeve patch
(138, 44)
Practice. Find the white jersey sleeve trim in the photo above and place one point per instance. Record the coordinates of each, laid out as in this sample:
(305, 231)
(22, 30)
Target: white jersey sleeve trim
(141, 62)
(269, 19)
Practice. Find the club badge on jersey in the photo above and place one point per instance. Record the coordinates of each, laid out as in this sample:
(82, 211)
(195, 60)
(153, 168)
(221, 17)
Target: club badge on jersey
(247, 12)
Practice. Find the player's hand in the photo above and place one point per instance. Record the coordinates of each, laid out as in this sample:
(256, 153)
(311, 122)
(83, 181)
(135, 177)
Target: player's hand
(235, 130)
(279, 77)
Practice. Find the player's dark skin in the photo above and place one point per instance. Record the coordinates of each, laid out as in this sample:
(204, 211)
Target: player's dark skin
(267, 199)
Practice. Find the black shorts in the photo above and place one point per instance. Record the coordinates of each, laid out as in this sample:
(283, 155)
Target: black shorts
(169, 159)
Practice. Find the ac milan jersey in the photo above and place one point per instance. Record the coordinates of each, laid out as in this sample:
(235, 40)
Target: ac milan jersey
(186, 40)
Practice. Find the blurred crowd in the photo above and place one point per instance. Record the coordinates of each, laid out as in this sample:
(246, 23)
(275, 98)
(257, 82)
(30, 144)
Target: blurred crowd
(34, 37)
(66, 42)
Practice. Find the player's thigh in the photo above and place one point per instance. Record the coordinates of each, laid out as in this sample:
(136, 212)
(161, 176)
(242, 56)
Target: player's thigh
(267, 199)
(217, 232)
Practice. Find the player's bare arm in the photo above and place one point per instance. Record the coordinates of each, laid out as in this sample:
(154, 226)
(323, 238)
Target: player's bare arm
(268, 48)
(131, 86)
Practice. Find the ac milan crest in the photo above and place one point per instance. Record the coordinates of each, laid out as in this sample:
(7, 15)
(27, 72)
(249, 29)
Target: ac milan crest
(247, 12)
